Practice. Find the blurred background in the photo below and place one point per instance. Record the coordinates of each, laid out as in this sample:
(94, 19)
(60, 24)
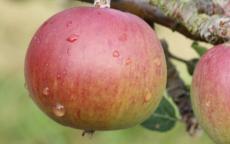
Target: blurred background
(21, 122)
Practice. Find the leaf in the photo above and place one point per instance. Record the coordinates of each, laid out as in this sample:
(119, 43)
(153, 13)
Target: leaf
(191, 65)
(199, 49)
(163, 119)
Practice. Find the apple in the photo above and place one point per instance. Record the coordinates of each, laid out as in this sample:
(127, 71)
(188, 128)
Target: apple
(96, 69)
(210, 93)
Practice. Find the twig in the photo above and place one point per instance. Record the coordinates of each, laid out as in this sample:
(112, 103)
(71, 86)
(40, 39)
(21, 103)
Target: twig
(193, 18)
(180, 94)
(212, 28)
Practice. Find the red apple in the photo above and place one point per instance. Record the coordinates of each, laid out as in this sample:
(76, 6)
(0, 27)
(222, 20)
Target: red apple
(211, 93)
(96, 69)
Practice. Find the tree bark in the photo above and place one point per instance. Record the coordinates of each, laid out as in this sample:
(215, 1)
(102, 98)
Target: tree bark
(200, 20)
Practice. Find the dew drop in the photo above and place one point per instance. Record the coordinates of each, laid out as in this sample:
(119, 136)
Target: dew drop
(157, 61)
(45, 91)
(58, 76)
(148, 96)
(59, 110)
(116, 53)
(72, 38)
(208, 103)
(128, 61)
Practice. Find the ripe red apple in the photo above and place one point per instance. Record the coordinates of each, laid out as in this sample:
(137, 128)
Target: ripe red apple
(211, 93)
(96, 69)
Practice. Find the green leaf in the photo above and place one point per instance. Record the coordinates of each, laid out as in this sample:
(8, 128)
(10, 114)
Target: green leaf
(191, 65)
(199, 49)
(163, 119)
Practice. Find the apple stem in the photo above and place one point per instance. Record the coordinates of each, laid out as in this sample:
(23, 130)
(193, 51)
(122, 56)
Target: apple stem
(102, 3)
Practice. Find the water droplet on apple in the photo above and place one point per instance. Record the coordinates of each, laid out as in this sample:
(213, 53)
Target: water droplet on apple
(116, 53)
(157, 61)
(208, 103)
(72, 38)
(147, 97)
(128, 61)
(59, 110)
(58, 76)
(45, 91)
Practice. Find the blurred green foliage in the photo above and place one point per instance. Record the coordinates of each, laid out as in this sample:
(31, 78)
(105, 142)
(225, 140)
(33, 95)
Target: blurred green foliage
(21, 122)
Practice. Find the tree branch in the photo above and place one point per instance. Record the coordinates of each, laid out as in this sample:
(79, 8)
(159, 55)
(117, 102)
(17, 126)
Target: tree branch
(150, 14)
(200, 20)
(214, 28)
(180, 94)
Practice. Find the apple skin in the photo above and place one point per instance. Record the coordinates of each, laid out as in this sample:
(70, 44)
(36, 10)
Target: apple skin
(96, 69)
(210, 93)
